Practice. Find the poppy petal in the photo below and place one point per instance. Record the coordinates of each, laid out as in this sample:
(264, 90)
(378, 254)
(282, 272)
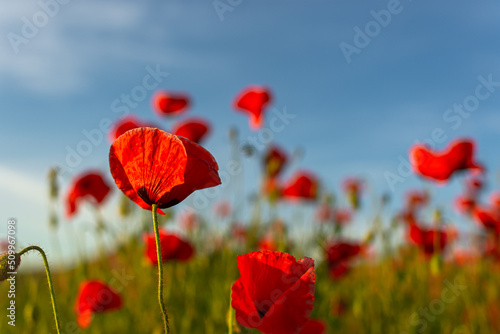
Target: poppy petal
(147, 163)
(202, 170)
(168, 104)
(90, 186)
(253, 101)
(313, 327)
(275, 292)
(195, 129)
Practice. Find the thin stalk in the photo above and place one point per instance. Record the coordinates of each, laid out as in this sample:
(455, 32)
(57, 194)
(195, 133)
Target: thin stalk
(160, 270)
(49, 281)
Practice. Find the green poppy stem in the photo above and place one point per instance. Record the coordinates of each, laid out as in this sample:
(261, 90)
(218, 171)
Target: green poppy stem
(230, 315)
(49, 281)
(160, 270)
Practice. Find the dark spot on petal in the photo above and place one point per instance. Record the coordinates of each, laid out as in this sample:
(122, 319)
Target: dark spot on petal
(168, 204)
(143, 194)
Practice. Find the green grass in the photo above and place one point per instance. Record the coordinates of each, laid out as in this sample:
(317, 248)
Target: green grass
(388, 297)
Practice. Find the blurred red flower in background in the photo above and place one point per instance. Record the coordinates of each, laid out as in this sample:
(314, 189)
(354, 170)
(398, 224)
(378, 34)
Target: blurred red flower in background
(342, 216)
(428, 239)
(172, 248)
(151, 166)
(353, 188)
(302, 185)
(339, 254)
(416, 199)
(123, 125)
(326, 213)
(339, 307)
(89, 186)
(95, 297)
(495, 201)
(274, 293)
(267, 242)
(195, 129)
(440, 166)
(253, 101)
(465, 204)
(313, 326)
(239, 232)
(188, 220)
(274, 161)
(487, 218)
(168, 104)
(474, 185)
(222, 209)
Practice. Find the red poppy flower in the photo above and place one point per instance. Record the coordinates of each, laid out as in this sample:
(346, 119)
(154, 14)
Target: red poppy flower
(342, 216)
(487, 218)
(168, 104)
(474, 185)
(326, 213)
(267, 243)
(492, 249)
(440, 166)
(495, 201)
(89, 186)
(313, 327)
(465, 256)
(123, 125)
(303, 185)
(428, 239)
(222, 209)
(274, 161)
(188, 220)
(172, 248)
(465, 204)
(339, 254)
(272, 188)
(253, 101)
(416, 199)
(239, 232)
(275, 292)
(352, 187)
(338, 308)
(95, 297)
(195, 129)
(151, 166)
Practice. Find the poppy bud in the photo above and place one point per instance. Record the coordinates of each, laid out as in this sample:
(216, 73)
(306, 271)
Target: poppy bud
(8, 263)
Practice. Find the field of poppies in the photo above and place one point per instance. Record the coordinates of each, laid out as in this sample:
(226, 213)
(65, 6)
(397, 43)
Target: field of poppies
(175, 269)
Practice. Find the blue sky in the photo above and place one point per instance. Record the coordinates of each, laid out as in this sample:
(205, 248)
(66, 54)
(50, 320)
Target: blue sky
(351, 118)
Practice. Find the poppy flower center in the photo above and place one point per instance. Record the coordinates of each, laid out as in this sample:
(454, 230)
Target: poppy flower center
(143, 194)
(262, 311)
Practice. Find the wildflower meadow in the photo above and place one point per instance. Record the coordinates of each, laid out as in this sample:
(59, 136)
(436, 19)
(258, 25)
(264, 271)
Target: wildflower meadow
(218, 207)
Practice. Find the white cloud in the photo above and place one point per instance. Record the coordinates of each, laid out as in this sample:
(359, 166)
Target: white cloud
(53, 61)
(17, 187)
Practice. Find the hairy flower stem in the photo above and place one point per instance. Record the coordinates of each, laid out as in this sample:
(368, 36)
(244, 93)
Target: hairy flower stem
(160, 270)
(49, 281)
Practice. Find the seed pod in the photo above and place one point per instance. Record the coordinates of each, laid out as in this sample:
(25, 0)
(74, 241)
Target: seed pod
(8, 265)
